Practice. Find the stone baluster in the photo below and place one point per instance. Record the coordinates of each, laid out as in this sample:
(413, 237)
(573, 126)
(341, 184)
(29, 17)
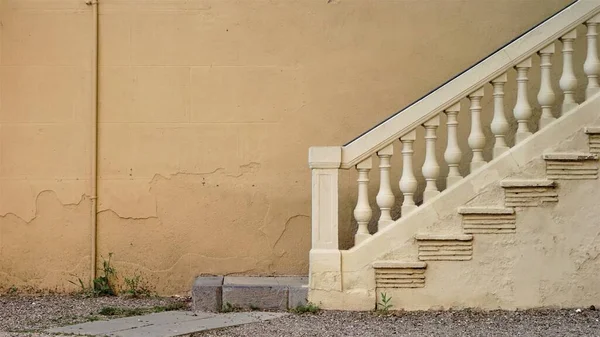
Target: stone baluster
(546, 95)
(591, 66)
(362, 211)
(385, 197)
(408, 182)
(568, 81)
(499, 124)
(522, 110)
(476, 137)
(430, 169)
(453, 153)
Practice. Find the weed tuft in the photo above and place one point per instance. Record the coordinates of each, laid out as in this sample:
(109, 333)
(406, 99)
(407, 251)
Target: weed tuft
(127, 312)
(385, 305)
(309, 308)
(136, 287)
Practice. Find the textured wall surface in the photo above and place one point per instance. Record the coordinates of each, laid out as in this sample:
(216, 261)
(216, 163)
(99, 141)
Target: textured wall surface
(207, 109)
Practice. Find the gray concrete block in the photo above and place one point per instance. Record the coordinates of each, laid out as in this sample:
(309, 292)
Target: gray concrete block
(297, 296)
(256, 296)
(279, 292)
(207, 293)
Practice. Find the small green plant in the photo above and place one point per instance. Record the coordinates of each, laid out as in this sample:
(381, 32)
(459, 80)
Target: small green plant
(123, 312)
(254, 307)
(13, 290)
(135, 286)
(174, 306)
(309, 307)
(93, 318)
(127, 312)
(228, 307)
(385, 305)
(79, 283)
(103, 285)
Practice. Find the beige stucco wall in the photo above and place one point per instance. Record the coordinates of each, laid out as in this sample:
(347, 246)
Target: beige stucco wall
(207, 109)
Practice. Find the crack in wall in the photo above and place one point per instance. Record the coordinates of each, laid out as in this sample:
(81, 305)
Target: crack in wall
(36, 203)
(285, 226)
(250, 168)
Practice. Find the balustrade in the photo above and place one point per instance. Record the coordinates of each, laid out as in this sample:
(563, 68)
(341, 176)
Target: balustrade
(500, 128)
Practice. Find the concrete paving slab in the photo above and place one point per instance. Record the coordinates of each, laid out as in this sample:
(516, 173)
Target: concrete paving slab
(174, 323)
(177, 329)
(105, 327)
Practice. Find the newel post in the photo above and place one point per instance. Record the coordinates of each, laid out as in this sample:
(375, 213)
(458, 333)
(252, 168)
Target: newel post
(325, 256)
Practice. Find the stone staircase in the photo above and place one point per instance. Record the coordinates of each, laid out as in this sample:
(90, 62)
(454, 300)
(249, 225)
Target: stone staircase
(518, 231)
(490, 220)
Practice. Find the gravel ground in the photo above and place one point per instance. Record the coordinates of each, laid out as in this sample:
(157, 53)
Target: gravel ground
(28, 314)
(563, 323)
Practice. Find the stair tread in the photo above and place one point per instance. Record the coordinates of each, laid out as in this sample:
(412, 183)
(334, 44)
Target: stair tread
(444, 237)
(486, 210)
(590, 130)
(398, 264)
(527, 183)
(570, 156)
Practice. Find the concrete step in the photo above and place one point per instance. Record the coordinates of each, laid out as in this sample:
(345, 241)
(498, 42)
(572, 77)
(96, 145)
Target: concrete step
(254, 293)
(570, 156)
(399, 274)
(571, 166)
(593, 133)
(486, 210)
(528, 192)
(488, 220)
(449, 247)
(527, 183)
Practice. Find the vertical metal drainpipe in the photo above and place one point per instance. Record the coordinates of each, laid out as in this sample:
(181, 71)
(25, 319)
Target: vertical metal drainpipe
(94, 141)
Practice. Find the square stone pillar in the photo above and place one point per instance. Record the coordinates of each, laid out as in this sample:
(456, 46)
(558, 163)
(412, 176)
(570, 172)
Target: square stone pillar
(325, 257)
